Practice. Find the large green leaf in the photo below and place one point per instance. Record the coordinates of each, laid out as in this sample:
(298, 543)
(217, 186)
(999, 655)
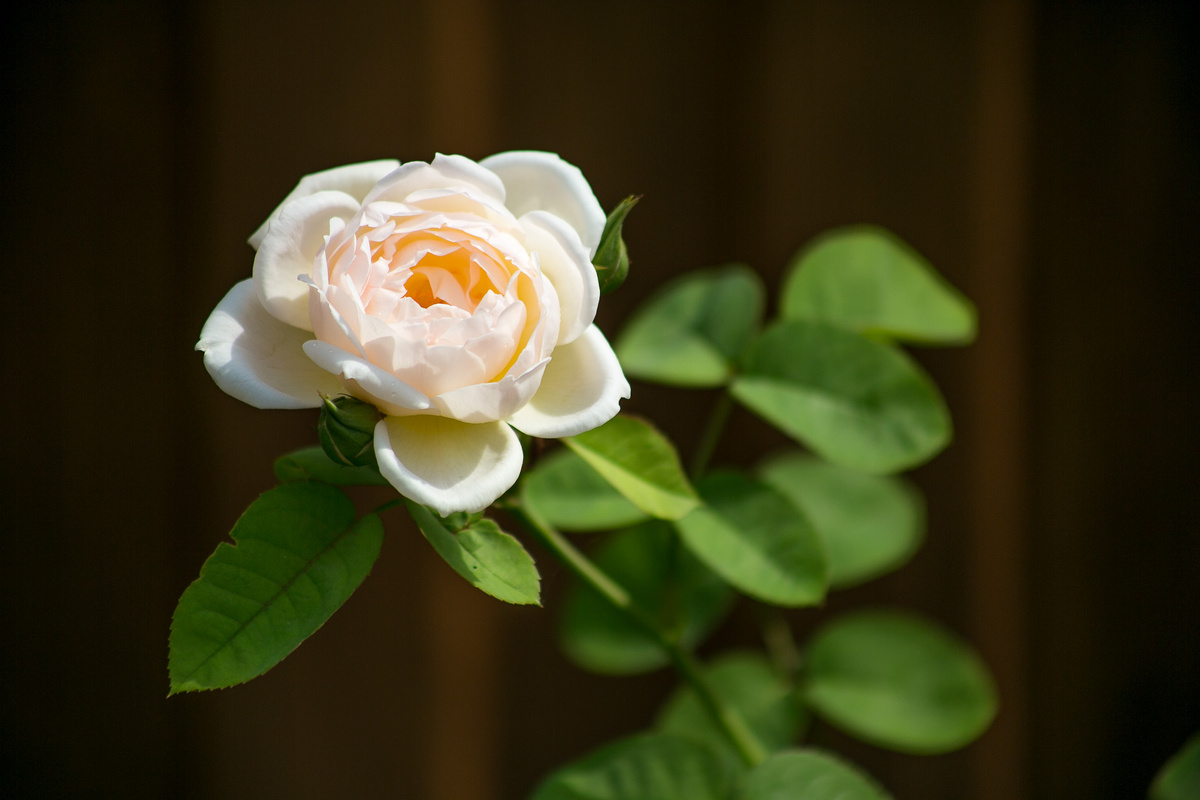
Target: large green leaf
(870, 524)
(640, 463)
(571, 496)
(311, 464)
(692, 332)
(808, 775)
(857, 403)
(299, 555)
(648, 766)
(757, 540)
(490, 559)
(747, 682)
(866, 279)
(1179, 779)
(664, 580)
(899, 681)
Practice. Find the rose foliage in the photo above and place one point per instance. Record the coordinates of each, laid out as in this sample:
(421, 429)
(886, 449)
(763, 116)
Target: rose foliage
(437, 314)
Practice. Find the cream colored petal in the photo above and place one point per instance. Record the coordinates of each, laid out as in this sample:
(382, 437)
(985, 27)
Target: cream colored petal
(446, 172)
(543, 181)
(566, 264)
(580, 390)
(366, 381)
(486, 402)
(446, 464)
(258, 359)
(353, 179)
(288, 250)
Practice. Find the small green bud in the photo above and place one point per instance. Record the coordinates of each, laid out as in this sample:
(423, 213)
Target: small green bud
(347, 431)
(612, 259)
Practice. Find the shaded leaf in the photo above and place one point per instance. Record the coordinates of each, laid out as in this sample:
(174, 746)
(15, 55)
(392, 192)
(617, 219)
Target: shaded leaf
(748, 683)
(298, 556)
(808, 775)
(311, 464)
(664, 580)
(867, 280)
(1179, 779)
(757, 540)
(899, 681)
(571, 496)
(694, 329)
(870, 524)
(640, 463)
(857, 403)
(490, 559)
(647, 766)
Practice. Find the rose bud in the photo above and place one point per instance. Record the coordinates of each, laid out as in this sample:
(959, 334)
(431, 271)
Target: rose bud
(612, 259)
(347, 431)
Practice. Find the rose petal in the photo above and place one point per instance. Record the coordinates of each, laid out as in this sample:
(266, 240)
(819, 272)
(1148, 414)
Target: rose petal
(446, 464)
(366, 381)
(581, 389)
(353, 179)
(288, 250)
(485, 402)
(258, 359)
(568, 266)
(543, 181)
(445, 172)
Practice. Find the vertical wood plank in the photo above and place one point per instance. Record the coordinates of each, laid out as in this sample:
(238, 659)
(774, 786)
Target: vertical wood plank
(997, 417)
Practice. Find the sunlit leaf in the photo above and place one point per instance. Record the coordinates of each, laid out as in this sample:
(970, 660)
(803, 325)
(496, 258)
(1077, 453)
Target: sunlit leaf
(899, 681)
(640, 463)
(757, 540)
(1179, 779)
(694, 329)
(664, 580)
(867, 280)
(808, 775)
(857, 403)
(572, 496)
(648, 766)
(748, 683)
(870, 524)
(299, 555)
(490, 559)
(311, 464)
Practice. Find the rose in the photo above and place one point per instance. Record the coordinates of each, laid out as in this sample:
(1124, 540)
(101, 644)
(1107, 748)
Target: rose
(456, 297)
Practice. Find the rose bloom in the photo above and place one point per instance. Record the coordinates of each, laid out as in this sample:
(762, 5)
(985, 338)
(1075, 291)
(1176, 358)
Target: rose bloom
(456, 297)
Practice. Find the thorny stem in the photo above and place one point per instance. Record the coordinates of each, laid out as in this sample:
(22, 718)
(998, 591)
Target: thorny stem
(727, 718)
(711, 435)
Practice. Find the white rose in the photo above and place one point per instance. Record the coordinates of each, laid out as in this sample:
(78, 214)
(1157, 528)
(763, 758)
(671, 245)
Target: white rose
(456, 297)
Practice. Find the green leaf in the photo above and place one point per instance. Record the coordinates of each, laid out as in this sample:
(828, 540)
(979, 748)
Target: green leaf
(757, 540)
(664, 580)
(808, 775)
(490, 559)
(1179, 779)
(647, 766)
(857, 403)
(299, 556)
(899, 681)
(867, 280)
(694, 329)
(640, 463)
(870, 524)
(571, 496)
(747, 682)
(311, 464)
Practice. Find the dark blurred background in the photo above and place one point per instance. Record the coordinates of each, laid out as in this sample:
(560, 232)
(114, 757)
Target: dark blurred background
(1043, 155)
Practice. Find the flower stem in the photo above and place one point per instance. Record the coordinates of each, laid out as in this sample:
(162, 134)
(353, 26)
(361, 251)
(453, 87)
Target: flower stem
(725, 716)
(711, 435)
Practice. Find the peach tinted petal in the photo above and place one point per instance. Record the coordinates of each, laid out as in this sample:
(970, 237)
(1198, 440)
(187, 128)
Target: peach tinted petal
(542, 181)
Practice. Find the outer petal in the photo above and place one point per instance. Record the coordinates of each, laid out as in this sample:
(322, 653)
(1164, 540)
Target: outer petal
(581, 389)
(366, 381)
(543, 181)
(353, 179)
(566, 263)
(288, 251)
(446, 172)
(258, 359)
(446, 464)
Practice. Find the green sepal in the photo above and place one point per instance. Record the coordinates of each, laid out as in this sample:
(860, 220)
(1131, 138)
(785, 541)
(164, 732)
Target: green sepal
(346, 429)
(612, 257)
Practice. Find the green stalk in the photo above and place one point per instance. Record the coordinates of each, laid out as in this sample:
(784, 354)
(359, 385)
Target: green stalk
(726, 717)
(711, 435)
